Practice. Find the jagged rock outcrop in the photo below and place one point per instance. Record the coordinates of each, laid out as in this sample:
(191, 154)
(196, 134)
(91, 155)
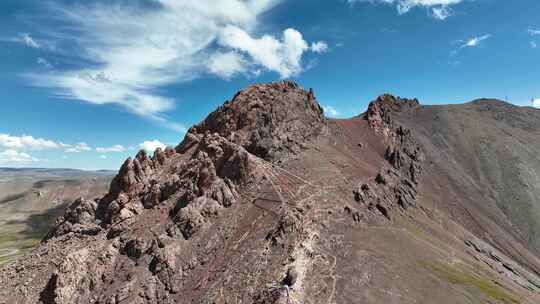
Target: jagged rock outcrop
(394, 187)
(268, 120)
(389, 191)
(379, 113)
(79, 218)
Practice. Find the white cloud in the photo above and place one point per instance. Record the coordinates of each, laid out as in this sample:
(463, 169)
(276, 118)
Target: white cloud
(227, 64)
(533, 32)
(27, 40)
(536, 103)
(439, 9)
(151, 146)
(78, 148)
(441, 12)
(281, 56)
(27, 142)
(15, 158)
(330, 111)
(475, 41)
(42, 61)
(136, 49)
(115, 148)
(103, 156)
(319, 47)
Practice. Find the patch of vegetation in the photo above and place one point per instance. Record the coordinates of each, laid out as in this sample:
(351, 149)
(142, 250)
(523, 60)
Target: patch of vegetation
(5, 259)
(416, 231)
(68, 182)
(18, 242)
(11, 198)
(8, 236)
(467, 277)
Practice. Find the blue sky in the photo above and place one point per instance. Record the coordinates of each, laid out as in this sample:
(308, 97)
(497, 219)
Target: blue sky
(85, 84)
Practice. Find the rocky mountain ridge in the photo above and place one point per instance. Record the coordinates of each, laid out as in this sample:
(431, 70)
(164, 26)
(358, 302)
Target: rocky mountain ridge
(265, 201)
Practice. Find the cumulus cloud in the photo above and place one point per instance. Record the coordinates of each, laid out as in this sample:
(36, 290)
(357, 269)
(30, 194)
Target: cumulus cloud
(151, 146)
(27, 142)
(134, 49)
(78, 148)
(115, 148)
(475, 41)
(330, 111)
(15, 158)
(536, 103)
(277, 55)
(439, 9)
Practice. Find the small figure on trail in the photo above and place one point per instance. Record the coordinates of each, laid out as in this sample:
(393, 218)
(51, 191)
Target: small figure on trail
(290, 277)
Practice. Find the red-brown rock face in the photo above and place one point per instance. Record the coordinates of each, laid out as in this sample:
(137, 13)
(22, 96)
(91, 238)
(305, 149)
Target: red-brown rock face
(269, 120)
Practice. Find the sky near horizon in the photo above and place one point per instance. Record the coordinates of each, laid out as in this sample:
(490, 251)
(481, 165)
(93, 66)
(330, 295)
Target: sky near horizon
(85, 84)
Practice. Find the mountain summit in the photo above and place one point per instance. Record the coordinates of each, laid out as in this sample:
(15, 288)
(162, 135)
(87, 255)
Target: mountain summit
(269, 201)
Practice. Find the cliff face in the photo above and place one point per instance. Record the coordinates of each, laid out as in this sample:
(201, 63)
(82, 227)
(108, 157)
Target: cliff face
(268, 201)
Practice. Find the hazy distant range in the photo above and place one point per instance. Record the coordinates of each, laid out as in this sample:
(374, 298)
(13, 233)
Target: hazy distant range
(32, 198)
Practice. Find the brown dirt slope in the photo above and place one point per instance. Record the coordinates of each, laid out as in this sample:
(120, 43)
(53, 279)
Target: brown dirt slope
(485, 164)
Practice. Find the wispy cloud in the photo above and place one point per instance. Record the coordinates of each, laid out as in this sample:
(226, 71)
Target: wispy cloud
(28, 41)
(319, 47)
(16, 158)
(441, 12)
(115, 148)
(438, 9)
(136, 49)
(78, 148)
(475, 41)
(44, 62)
(533, 32)
(24, 39)
(471, 42)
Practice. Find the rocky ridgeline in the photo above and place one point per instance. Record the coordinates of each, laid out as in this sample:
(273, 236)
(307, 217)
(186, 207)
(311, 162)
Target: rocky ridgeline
(94, 252)
(148, 240)
(395, 186)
